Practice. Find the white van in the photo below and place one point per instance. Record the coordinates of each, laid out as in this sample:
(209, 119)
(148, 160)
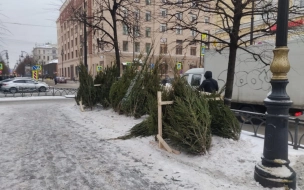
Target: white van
(195, 76)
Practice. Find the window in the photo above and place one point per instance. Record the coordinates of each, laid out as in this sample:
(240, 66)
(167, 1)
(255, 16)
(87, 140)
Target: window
(48, 58)
(137, 31)
(193, 33)
(163, 27)
(148, 32)
(179, 30)
(194, 4)
(125, 13)
(137, 47)
(179, 47)
(163, 13)
(206, 19)
(39, 57)
(72, 43)
(19, 81)
(148, 47)
(179, 2)
(196, 80)
(125, 29)
(68, 45)
(43, 51)
(76, 41)
(43, 57)
(68, 71)
(68, 55)
(193, 51)
(206, 7)
(179, 15)
(193, 18)
(148, 16)
(148, 2)
(39, 51)
(125, 45)
(76, 53)
(137, 15)
(163, 48)
(72, 55)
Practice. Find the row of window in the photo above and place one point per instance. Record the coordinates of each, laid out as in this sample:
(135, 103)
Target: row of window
(71, 44)
(47, 57)
(162, 28)
(163, 48)
(70, 55)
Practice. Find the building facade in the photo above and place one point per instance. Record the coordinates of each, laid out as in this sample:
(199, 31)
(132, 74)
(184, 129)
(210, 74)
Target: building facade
(153, 33)
(44, 53)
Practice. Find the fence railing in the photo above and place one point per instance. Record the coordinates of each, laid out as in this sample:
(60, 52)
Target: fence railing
(255, 122)
(52, 91)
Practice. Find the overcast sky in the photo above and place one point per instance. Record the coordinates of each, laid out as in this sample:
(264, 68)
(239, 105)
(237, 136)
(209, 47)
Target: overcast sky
(23, 35)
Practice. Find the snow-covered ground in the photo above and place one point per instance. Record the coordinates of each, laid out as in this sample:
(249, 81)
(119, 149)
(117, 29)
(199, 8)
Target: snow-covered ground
(118, 164)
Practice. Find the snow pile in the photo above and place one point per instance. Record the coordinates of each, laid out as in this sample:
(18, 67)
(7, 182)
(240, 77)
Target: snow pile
(228, 165)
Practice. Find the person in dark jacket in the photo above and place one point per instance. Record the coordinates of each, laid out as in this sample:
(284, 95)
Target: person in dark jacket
(55, 80)
(209, 84)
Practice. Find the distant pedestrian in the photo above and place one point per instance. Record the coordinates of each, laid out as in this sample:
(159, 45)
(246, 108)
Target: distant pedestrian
(209, 84)
(55, 80)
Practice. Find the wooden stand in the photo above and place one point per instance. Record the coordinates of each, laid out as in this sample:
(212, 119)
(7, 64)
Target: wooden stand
(161, 142)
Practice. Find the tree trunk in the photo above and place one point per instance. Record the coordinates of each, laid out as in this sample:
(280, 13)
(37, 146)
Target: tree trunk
(230, 76)
(116, 46)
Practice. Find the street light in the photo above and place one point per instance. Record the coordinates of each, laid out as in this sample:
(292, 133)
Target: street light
(274, 170)
(62, 53)
(25, 53)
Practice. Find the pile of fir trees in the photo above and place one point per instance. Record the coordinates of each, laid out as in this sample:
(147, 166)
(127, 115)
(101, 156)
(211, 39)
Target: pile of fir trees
(86, 91)
(190, 121)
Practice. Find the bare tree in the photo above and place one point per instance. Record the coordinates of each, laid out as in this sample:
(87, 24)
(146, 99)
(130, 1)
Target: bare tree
(231, 14)
(105, 20)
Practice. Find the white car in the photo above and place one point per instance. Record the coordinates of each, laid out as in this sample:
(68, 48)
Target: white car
(24, 85)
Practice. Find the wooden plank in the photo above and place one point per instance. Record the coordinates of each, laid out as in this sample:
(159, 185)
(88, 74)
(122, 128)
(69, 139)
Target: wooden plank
(159, 117)
(165, 145)
(81, 106)
(166, 102)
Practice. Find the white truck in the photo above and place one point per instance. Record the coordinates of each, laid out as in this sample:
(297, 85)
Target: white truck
(252, 77)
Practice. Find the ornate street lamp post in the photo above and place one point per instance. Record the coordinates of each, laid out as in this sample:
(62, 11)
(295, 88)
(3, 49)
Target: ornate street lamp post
(274, 169)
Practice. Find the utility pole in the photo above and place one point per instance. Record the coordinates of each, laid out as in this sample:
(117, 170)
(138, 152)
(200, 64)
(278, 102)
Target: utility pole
(85, 36)
(252, 20)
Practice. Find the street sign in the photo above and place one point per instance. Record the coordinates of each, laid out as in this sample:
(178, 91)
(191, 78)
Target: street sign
(179, 66)
(99, 68)
(36, 68)
(204, 36)
(203, 50)
(1, 66)
(35, 75)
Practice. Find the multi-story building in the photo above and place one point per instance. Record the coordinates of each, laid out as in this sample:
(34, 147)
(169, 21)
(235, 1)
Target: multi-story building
(44, 53)
(152, 31)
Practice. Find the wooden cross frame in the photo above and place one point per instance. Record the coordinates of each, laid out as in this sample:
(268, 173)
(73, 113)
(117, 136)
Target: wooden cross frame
(161, 142)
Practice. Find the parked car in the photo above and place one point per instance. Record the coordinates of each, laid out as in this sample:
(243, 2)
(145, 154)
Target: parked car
(5, 80)
(61, 80)
(24, 85)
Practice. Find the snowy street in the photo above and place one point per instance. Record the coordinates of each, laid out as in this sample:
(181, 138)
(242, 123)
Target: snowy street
(53, 145)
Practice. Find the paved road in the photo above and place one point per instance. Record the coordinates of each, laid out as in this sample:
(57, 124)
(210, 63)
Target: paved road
(41, 147)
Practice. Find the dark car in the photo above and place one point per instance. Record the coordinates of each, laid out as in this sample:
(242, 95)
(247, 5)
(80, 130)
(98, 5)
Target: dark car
(61, 80)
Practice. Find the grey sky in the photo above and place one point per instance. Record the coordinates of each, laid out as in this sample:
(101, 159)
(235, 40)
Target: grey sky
(24, 37)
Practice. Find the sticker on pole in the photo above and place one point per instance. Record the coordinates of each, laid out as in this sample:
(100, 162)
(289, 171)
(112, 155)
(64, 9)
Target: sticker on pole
(35, 75)
(203, 50)
(99, 68)
(1, 66)
(179, 66)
